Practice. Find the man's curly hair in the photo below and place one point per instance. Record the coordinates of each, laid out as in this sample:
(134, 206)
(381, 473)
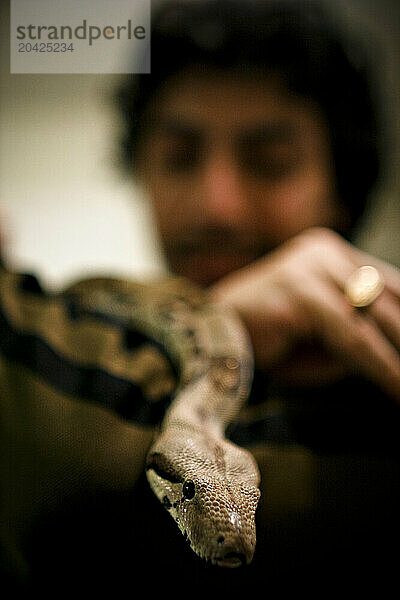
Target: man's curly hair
(295, 39)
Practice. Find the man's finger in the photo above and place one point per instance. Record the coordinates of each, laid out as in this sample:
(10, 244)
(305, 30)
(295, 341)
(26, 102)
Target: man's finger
(354, 334)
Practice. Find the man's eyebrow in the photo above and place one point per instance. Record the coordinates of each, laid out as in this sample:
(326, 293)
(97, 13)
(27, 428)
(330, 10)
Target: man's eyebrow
(276, 131)
(174, 126)
(270, 132)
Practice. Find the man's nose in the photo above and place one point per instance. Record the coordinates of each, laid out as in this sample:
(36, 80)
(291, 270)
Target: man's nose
(223, 195)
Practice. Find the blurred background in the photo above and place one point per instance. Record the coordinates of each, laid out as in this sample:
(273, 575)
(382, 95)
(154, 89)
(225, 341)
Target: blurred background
(67, 212)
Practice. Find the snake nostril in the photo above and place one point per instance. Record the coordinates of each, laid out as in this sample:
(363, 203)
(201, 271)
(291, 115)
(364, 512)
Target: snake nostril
(221, 539)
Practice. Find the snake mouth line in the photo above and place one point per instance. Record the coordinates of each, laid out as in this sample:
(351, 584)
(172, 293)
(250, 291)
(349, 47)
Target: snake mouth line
(232, 560)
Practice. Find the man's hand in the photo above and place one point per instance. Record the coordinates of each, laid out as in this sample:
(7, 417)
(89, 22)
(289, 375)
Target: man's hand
(301, 325)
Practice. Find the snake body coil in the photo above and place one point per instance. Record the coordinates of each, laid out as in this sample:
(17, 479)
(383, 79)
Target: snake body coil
(206, 483)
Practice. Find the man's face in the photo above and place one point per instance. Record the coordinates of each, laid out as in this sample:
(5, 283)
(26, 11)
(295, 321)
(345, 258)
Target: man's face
(234, 166)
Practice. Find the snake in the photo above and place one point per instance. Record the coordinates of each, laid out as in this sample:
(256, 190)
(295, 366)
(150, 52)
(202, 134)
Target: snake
(208, 484)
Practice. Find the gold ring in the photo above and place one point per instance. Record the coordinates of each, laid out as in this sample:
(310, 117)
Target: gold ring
(364, 286)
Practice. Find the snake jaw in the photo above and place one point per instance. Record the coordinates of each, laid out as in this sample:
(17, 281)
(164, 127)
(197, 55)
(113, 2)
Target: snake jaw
(232, 560)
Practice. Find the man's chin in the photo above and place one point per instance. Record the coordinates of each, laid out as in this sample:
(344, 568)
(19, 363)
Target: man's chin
(206, 269)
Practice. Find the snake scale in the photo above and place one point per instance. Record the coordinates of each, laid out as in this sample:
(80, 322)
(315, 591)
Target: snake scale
(206, 483)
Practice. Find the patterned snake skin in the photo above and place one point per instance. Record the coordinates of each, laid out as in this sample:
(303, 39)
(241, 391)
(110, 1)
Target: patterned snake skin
(206, 483)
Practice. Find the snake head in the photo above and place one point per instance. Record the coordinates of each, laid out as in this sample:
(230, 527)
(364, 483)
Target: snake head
(212, 498)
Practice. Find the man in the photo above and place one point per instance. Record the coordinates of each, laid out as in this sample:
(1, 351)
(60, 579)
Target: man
(252, 130)
(257, 141)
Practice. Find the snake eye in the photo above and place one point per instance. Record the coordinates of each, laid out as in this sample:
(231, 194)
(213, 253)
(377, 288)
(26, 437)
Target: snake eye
(188, 490)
